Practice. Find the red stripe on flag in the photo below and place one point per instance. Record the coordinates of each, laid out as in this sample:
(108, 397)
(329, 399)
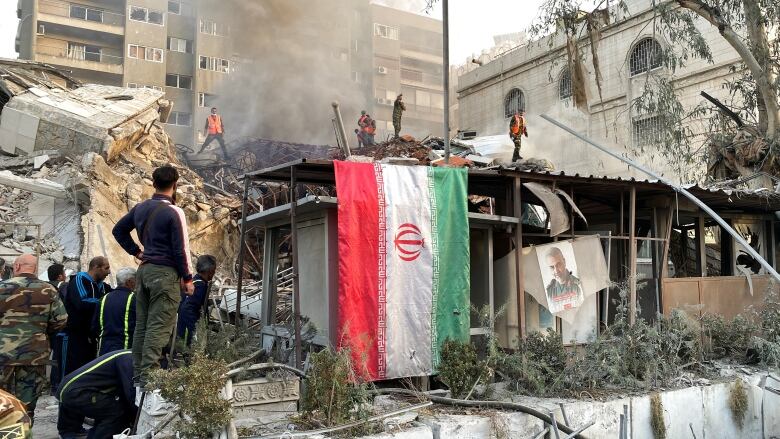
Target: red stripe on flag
(358, 245)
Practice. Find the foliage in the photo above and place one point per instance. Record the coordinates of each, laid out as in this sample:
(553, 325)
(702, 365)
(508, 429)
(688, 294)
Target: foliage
(657, 416)
(459, 369)
(227, 345)
(539, 367)
(728, 338)
(334, 393)
(196, 391)
(738, 402)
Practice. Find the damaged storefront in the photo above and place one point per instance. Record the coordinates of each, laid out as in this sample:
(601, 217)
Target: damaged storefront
(610, 234)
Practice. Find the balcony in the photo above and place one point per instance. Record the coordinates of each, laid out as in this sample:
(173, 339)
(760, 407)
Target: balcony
(74, 15)
(84, 57)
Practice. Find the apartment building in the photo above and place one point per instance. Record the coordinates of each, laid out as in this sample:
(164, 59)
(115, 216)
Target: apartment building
(535, 78)
(169, 45)
(407, 59)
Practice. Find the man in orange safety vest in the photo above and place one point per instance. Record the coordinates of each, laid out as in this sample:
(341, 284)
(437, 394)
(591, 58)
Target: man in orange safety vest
(214, 130)
(517, 128)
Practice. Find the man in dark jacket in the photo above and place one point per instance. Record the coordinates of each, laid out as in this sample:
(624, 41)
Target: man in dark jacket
(191, 307)
(114, 320)
(102, 390)
(58, 280)
(165, 268)
(85, 290)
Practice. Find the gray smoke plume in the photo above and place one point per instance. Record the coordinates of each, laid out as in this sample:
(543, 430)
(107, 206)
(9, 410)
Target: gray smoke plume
(291, 59)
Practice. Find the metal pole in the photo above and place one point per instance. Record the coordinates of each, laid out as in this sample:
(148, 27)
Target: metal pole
(340, 127)
(446, 69)
(242, 244)
(296, 286)
(737, 237)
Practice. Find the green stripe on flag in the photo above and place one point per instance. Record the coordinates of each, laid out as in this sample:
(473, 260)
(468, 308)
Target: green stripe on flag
(451, 269)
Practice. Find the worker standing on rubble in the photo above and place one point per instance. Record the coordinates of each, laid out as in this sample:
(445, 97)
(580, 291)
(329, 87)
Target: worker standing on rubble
(30, 310)
(85, 290)
(398, 109)
(101, 390)
(191, 307)
(517, 128)
(114, 320)
(214, 129)
(164, 272)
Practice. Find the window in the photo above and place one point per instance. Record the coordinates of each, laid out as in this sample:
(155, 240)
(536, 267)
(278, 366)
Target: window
(646, 131)
(179, 45)
(390, 95)
(564, 84)
(180, 118)
(423, 98)
(645, 56)
(213, 28)
(383, 31)
(152, 16)
(214, 64)
(437, 101)
(514, 101)
(178, 81)
(153, 87)
(174, 7)
(85, 13)
(206, 100)
(146, 53)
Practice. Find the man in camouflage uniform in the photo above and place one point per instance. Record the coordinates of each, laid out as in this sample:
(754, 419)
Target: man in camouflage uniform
(398, 110)
(30, 310)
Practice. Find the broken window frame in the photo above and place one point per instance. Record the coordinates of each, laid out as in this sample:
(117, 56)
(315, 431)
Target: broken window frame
(176, 80)
(147, 15)
(213, 64)
(205, 100)
(148, 53)
(182, 45)
(177, 118)
(211, 27)
(386, 31)
(97, 14)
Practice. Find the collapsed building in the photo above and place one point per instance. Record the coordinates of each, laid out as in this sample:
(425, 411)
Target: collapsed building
(79, 157)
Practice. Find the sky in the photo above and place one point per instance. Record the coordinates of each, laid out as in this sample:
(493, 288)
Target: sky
(472, 23)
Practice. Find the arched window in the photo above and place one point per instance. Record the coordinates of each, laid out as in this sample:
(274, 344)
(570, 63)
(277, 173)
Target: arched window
(564, 84)
(645, 56)
(514, 101)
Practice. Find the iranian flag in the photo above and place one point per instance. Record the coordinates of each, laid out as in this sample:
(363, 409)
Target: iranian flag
(403, 241)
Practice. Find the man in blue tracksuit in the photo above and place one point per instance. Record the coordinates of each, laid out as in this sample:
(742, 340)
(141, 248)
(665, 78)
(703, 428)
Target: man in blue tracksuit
(85, 290)
(191, 307)
(114, 320)
(165, 271)
(102, 390)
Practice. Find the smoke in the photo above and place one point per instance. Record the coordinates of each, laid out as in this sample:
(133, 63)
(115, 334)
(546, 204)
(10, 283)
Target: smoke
(290, 60)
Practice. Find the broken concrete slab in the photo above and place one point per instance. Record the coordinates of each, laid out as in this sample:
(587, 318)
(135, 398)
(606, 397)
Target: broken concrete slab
(35, 185)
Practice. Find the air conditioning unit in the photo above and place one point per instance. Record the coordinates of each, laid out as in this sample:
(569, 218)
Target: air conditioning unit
(380, 101)
(382, 70)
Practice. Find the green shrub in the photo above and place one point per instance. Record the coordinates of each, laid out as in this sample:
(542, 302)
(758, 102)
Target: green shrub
(459, 368)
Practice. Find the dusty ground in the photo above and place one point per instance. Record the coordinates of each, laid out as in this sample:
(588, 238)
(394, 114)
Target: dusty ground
(45, 426)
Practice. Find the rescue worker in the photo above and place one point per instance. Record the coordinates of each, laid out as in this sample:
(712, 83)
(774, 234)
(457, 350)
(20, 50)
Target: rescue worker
(191, 307)
(362, 119)
(14, 421)
(101, 390)
(30, 310)
(56, 274)
(85, 290)
(517, 128)
(214, 129)
(359, 135)
(369, 131)
(398, 109)
(164, 272)
(114, 320)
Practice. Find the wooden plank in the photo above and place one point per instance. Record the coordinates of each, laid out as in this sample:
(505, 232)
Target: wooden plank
(520, 290)
(665, 253)
(632, 256)
(701, 246)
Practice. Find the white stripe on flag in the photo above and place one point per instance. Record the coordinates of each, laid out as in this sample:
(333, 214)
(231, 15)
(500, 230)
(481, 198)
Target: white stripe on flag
(409, 271)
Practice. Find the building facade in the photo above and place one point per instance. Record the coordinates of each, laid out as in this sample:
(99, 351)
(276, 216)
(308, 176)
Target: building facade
(407, 52)
(169, 45)
(535, 78)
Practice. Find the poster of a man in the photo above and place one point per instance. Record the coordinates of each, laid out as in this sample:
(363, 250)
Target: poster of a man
(559, 273)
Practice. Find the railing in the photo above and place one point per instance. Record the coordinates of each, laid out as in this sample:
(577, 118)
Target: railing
(79, 55)
(81, 12)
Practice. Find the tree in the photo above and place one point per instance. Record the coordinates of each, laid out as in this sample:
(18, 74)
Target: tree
(744, 137)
